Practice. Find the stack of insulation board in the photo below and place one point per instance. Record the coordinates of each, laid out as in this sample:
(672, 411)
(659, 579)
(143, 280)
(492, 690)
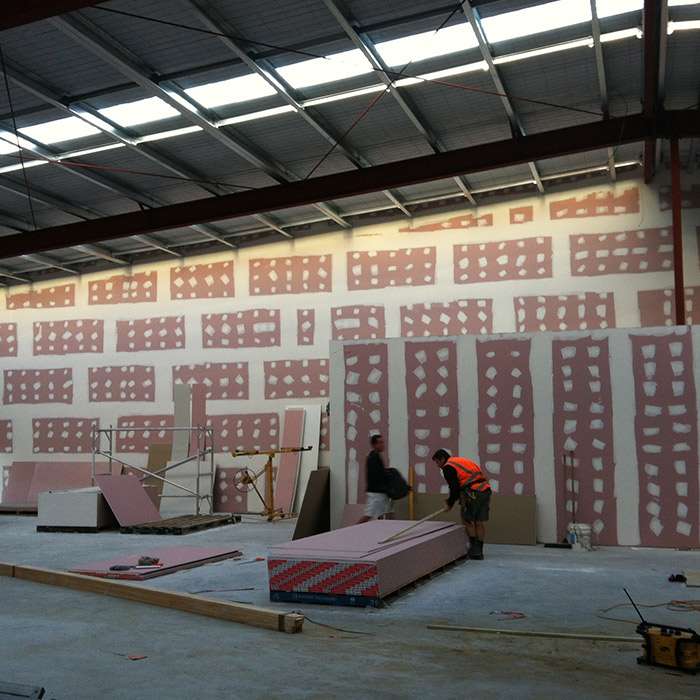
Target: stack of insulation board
(350, 567)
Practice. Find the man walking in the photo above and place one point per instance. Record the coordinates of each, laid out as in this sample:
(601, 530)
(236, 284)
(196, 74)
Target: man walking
(470, 487)
(378, 502)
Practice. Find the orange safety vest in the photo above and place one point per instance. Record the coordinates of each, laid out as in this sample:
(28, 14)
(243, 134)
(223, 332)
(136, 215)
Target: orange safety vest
(469, 474)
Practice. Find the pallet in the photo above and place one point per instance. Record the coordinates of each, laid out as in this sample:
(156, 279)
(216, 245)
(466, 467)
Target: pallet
(69, 528)
(181, 525)
(10, 509)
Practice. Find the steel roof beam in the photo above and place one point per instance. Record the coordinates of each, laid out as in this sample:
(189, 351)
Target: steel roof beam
(263, 68)
(472, 16)
(102, 253)
(4, 272)
(653, 14)
(100, 44)
(364, 44)
(50, 262)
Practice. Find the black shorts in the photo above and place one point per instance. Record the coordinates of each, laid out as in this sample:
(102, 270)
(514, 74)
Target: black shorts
(475, 506)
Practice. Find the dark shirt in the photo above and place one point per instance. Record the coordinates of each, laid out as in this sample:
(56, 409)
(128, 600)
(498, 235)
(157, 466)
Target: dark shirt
(376, 473)
(450, 475)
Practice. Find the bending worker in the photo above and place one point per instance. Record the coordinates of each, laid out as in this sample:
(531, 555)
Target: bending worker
(470, 487)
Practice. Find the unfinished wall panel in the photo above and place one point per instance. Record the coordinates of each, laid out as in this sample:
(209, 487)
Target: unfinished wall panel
(585, 311)
(690, 197)
(461, 317)
(6, 445)
(324, 442)
(68, 337)
(138, 441)
(8, 340)
(521, 215)
(124, 289)
(506, 415)
(38, 386)
(433, 408)
(227, 497)
(605, 203)
(206, 281)
(63, 435)
(523, 258)
(245, 431)
(583, 433)
(657, 307)
(242, 329)
(666, 436)
(462, 221)
(60, 296)
(296, 379)
(643, 250)
(357, 322)
(122, 383)
(158, 333)
(377, 269)
(294, 274)
(366, 410)
(223, 380)
(306, 326)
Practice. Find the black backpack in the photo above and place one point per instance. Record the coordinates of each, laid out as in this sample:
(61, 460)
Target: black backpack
(396, 486)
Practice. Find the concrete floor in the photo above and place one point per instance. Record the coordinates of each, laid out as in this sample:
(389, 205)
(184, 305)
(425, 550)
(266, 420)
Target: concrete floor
(75, 644)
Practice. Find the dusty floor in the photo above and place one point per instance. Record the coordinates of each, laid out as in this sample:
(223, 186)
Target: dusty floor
(75, 644)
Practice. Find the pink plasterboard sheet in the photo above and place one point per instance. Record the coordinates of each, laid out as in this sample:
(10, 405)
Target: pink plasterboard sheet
(361, 542)
(128, 499)
(288, 469)
(53, 476)
(172, 559)
(18, 482)
(199, 413)
(352, 513)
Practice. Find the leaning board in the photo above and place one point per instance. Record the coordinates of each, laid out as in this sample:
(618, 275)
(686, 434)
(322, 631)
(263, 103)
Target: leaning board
(351, 567)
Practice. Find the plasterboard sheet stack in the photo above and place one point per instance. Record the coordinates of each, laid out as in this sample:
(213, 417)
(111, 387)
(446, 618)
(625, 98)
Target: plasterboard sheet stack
(80, 508)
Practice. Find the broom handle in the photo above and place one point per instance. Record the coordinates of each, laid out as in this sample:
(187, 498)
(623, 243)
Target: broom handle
(410, 527)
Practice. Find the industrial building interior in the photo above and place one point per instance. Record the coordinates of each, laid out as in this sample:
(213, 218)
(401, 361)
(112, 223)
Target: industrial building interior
(233, 464)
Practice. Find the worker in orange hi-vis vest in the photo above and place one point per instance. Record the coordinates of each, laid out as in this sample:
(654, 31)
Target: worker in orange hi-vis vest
(470, 487)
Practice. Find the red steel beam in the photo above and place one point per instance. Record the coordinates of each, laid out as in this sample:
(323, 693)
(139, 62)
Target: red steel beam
(488, 156)
(651, 25)
(676, 204)
(17, 12)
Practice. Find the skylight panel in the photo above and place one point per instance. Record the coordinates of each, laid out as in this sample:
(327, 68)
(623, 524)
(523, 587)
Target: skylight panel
(59, 130)
(231, 91)
(418, 47)
(151, 109)
(6, 147)
(317, 71)
(533, 20)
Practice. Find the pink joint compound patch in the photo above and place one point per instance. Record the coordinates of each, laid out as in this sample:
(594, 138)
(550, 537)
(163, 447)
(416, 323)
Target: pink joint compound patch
(38, 386)
(506, 415)
(124, 289)
(589, 310)
(521, 215)
(296, 274)
(366, 410)
(5, 436)
(246, 431)
(122, 383)
(357, 322)
(462, 317)
(666, 437)
(306, 326)
(64, 435)
(583, 425)
(456, 222)
(433, 408)
(159, 333)
(222, 380)
(325, 439)
(68, 337)
(8, 340)
(296, 379)
(242, 329)
(137, 441)
(52, 297)
(690, 198)
(522, 258)
(644, 250)
(205, 281)
(596, 204)
(377, 269)
(657, 307)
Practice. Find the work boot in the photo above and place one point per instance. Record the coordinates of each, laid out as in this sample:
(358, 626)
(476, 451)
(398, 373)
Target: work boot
(476, 549)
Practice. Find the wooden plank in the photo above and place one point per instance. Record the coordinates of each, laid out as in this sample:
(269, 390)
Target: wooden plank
(288, 469)
(232, 612)
(314, 515)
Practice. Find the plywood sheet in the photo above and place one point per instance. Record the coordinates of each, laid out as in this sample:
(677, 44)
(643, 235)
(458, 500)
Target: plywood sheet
(158, 457)
(19, 482)
(314, 514)
(182, 397)
(172, 559)
(288, 468)
(128, 499)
